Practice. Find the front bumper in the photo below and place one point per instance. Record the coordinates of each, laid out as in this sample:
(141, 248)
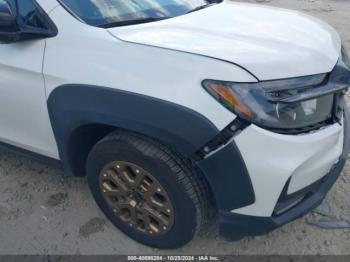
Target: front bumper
(233, 224)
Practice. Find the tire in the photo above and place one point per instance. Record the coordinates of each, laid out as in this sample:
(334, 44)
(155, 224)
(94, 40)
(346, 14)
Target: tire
(185, 191)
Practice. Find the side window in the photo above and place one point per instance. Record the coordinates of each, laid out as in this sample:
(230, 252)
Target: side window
(29, 14)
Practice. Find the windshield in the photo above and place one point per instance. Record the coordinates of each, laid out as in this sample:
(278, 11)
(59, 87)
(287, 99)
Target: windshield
(110, 13)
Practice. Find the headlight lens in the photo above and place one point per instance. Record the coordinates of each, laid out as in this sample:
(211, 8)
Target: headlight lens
(260, 102)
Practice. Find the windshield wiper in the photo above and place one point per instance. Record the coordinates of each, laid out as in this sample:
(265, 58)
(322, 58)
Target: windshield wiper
(132, 22)
(200, 7)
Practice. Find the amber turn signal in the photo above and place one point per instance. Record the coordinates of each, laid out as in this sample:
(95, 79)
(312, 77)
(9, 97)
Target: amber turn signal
(231, 99)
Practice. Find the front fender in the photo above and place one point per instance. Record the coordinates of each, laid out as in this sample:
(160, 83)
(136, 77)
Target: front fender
(73, 106)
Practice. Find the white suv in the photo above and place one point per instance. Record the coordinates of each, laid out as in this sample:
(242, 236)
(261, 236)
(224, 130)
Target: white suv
(178, 109)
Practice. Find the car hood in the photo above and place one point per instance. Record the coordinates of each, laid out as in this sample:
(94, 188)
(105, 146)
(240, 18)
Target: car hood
(271, 43)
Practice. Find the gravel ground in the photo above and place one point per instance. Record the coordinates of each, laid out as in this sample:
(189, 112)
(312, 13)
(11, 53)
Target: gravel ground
(41, 212)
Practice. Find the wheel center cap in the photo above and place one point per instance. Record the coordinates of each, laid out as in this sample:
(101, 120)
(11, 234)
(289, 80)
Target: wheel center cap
(136, 198)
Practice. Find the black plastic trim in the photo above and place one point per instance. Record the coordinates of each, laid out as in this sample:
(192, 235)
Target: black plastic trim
(52, 28)
(288, 201)
(234, 226)
(229, 178)
(35, 33)
(73, 106)
(32, 155)
(23, 32)
(222, 139)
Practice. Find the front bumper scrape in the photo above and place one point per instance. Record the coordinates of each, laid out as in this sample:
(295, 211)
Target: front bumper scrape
(234, 226)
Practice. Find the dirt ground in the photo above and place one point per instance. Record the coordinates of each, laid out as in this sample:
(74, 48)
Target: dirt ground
(41, 212)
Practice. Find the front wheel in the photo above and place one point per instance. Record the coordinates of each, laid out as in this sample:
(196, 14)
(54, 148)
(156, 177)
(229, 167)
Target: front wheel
(151, 194)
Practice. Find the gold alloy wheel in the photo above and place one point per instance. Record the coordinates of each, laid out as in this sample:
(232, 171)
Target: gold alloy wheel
(136, 197)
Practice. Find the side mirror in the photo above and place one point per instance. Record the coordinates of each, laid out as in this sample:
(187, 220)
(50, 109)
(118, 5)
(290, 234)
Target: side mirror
(9, 31)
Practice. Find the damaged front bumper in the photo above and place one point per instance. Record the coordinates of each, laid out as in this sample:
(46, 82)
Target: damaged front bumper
(235, 225)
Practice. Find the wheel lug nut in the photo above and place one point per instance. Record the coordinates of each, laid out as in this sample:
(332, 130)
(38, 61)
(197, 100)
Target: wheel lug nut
(137, 171)
(118, 166)
(164, 228)
(158, 189)
(168, 210)
(114, 210)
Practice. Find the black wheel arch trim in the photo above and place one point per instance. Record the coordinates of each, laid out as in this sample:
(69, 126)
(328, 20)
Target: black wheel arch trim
(228, 177)
(182, 129)
(74, 105)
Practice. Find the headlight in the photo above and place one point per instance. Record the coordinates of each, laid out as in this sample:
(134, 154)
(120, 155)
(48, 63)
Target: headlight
(262, 102)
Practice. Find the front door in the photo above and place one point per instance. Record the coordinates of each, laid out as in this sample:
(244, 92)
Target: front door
(24, 119)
